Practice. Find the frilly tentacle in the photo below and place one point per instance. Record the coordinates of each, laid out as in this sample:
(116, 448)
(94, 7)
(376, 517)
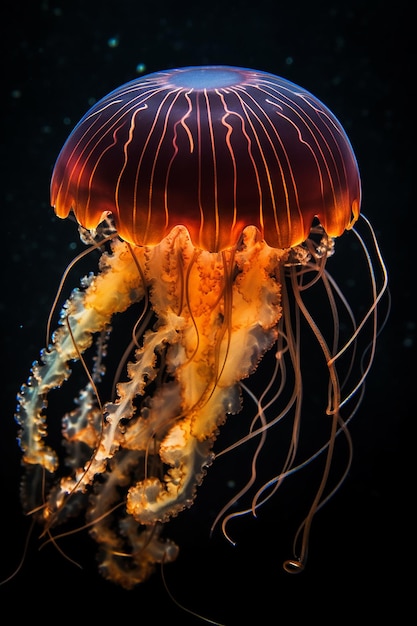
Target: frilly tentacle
(144, 454)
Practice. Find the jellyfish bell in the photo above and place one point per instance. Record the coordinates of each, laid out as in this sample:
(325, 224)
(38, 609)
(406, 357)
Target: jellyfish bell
(214, 195)
(215, 149)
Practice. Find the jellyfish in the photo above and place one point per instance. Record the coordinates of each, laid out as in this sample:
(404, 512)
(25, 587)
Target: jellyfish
(213, 198)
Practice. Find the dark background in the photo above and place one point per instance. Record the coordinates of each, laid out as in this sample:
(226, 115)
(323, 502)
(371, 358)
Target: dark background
(59, 57)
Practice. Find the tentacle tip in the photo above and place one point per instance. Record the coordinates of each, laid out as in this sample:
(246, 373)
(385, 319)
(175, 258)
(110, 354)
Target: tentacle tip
(230, 540)
(293, 566)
